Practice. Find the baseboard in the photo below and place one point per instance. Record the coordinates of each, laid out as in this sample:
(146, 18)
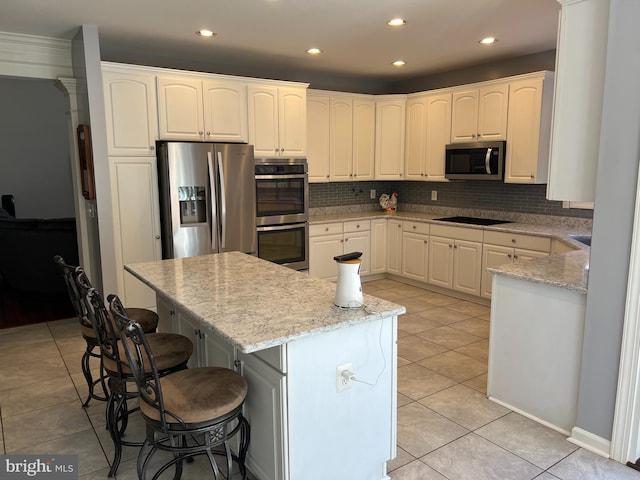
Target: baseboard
(528, 415)
(590, 441)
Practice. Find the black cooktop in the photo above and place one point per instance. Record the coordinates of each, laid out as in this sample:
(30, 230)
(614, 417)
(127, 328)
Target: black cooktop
(472, 220)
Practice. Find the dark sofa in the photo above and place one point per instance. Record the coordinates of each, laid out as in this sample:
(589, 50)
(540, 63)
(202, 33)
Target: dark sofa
(27, 248)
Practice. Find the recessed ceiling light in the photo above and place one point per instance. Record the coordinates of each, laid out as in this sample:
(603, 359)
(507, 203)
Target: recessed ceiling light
(205, 33)
(488, 40)
(397, 22)
(314, 51)
(399, 63)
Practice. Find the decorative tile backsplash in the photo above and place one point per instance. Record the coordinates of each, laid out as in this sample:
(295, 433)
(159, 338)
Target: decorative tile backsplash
(476, 195)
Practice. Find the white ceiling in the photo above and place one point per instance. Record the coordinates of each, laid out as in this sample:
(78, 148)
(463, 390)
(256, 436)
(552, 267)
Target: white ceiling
(440, 35)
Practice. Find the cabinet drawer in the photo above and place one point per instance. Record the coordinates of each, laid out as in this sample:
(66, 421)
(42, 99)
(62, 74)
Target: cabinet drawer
(457, 233)
(357, 226)
(325, 229)
(416, 227)
(529, 242)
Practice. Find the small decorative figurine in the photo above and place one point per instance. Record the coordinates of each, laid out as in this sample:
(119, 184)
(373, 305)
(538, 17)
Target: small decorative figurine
(389, 203)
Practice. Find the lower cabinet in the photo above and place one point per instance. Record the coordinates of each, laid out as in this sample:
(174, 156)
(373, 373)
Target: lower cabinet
(455, 258)
(264, 409)
(415, 250)
(501, 248)
(330, 240)
(378, 263)
(394, 246)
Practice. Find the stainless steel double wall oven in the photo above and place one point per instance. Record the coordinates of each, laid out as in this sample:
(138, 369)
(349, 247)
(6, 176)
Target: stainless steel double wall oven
(282, 211)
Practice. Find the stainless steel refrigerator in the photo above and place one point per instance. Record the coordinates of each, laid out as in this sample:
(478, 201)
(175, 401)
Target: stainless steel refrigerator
(207, 198)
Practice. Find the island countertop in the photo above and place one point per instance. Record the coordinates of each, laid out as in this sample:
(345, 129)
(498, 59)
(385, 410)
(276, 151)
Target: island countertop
(252, 303)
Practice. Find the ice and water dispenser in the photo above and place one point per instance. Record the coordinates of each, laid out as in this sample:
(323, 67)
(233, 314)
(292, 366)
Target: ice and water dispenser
(193, 207)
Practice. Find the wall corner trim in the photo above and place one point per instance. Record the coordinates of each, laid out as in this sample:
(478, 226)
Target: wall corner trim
(590, 441)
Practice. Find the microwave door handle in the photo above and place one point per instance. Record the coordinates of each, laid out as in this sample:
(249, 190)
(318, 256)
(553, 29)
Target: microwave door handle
(214, 208)
(223, 204)
(487, 161)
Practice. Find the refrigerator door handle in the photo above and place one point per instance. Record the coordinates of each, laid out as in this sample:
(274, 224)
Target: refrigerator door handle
(223, 203)
(214, 209)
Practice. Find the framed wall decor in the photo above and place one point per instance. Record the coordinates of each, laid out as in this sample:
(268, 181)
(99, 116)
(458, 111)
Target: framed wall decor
(86, 162)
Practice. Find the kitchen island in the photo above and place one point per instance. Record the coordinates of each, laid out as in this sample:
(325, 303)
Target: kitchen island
(280, 330)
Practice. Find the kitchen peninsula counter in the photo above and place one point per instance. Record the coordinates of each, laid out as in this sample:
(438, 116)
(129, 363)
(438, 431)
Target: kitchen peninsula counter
(280, 330)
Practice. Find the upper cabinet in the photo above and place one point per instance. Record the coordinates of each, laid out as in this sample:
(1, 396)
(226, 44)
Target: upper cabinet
(202, 110)
(278, 120)
(529, 129)
(479, 114)
(318, 137)
(577, 112)
(340, 136)
(390, 137)
(130, 106)
(428, 132)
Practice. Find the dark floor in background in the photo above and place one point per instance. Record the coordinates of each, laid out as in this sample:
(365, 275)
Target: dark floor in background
(24, 309)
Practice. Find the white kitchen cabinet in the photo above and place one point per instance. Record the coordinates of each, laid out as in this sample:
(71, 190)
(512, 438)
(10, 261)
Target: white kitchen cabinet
(394, 246)
(428, 132)
(378, 262)
(529, 129)
(166, 316)
(415, 250)
(364, 138)
(341, 136)
(225, 111)
(131, 114)
(265, 410)
(577, 104)
(455, 258)
(341, 149)
(479, 114)
(329, 240)
(278, 120)
(180, 108)
(318, 138)
(501, 248)
(197, 109)
(136, 221)
(390, 137)
(191, 329)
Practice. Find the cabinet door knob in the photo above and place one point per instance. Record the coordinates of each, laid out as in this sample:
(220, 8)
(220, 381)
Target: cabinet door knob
(237, 363)
(282, 149)
(157, 237)
(414, 227)
(513, 240)
(509, 255)
(455, 246)
(200, 132)
(450, 246)
(425, 242)
(208, 133)
(151, 147)
(515, 256)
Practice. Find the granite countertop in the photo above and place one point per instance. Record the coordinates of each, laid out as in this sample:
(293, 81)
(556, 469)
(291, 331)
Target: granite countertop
(252, 303)
(563, 270)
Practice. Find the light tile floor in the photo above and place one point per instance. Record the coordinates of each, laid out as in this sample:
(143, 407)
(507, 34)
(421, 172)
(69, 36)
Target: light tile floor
(447, 429)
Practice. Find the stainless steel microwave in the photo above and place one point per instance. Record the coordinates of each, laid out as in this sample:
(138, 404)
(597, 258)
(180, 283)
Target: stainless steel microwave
(474, 161)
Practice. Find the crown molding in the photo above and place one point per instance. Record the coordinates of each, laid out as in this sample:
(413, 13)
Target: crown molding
(34, 57)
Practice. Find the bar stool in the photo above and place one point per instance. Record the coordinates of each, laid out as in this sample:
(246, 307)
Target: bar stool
(148, 319)
(172, 352)
(202, 405)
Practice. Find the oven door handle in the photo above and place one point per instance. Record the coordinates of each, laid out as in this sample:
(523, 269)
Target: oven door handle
(273, 228)
(223, 204)
(214, 208)
(278, 177)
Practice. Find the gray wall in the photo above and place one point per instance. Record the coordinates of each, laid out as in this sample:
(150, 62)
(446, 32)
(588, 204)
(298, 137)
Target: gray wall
(612, 222)
(34, 163)
(479, 73)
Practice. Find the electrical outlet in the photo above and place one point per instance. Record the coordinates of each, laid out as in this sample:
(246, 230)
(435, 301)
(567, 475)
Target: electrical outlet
(372, 193)
(434, 195)
(343, 382)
